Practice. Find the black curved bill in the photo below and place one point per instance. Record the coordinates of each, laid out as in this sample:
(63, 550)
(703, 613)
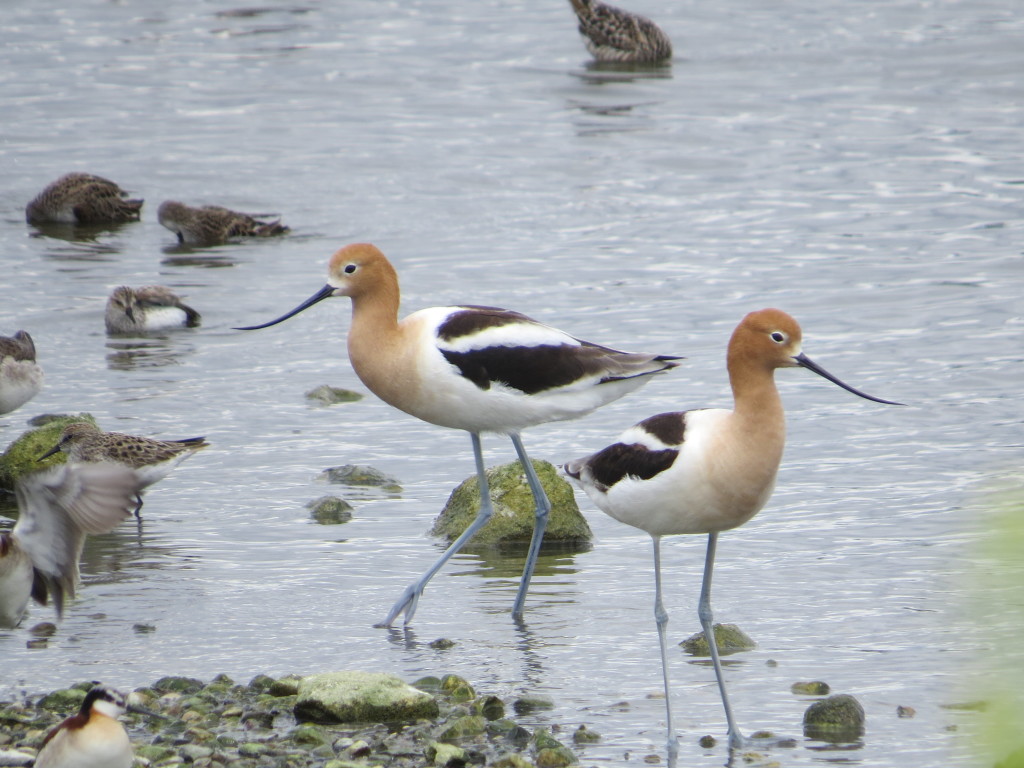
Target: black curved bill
(324, 293)
(805, 362)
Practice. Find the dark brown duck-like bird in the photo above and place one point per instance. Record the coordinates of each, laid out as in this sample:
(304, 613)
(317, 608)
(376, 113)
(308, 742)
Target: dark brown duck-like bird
(614, 35)
(81, 198)
(212, 224)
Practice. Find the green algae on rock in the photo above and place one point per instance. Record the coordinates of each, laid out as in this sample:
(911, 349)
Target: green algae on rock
(354, 696)
(22, 456)
(838, 718)
(513, 520)
(728, 637)
(326, 395)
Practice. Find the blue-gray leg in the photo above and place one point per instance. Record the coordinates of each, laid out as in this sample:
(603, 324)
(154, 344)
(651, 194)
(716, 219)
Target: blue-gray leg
(707, 622)
(407, 602)
(661, 619)
(541, 514)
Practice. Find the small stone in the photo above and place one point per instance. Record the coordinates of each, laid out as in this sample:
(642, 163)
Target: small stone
(584, 735)
(812, 688)
(63, 700)
(457, 688)
(491, 707)
(37, 643)
(463, 728)
(707, 742)
(839, 718)
(143, 629)
(330, 510)
(154, 752)
(729, 639)
(285, 686)
(43, 629)
(445, 754)
(527, 704)
(512, 761)
(442, 644)
(261, 682)
(354, 474)
(555, 757)
(332, 395)
(251, 749)
(309, 734)
(178, 684)
(902, 711)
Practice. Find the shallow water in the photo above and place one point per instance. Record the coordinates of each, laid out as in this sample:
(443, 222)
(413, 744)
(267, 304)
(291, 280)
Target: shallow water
(858, 165)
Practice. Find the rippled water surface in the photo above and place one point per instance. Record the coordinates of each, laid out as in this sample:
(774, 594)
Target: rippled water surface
(857, 164)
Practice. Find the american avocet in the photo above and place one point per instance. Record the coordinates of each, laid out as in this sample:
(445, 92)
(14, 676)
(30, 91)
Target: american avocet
(81, 198)
(21, 378)
(151, 459)
(150, 308)
(480, 369)
(704, 471)
(57, 507)
(93, 738)
(213, 225)
(614, 35)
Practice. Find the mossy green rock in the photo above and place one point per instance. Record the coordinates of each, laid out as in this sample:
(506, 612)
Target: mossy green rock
(811, 688)
(64, 700)
(555, 757)
(353, 696)
(457, 688)
(728, 637)
(445, 754)
(361, 475)
(330, 510)
(514, 508)
(836, 719)
(22, 456)
(464, 728)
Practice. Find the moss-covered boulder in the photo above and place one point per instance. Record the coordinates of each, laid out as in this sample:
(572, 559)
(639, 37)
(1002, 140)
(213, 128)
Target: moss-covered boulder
(838, 718)
(513, 519)
(22, 456)
(330, 510)
(728, 637)
(353, 696)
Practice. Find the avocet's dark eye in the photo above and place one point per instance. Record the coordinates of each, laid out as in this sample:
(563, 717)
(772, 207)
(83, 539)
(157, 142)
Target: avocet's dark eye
(778, 337)
(350, 268)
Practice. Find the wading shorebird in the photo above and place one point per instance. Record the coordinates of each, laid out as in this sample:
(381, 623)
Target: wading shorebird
(480, 369)
(213, 225)
(21, 378)
(151, 459)
(706, 470)
(150, 308)
(614, 35)
(93, 738)
(57, 507)
(81, 198)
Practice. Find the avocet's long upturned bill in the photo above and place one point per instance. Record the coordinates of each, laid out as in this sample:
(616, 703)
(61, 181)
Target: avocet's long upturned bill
(480, 369)
(705, 471)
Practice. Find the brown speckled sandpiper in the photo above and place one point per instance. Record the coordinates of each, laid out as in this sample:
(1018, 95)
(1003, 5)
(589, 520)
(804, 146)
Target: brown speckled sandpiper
(81, 198)
(213, 225)
(151, 459)
(614, 35)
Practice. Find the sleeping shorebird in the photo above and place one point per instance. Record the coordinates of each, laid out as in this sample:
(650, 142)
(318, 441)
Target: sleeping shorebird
(57, 507)
(93, 738)
(150, 308)
(151, 459)
(81, 198)
(480, 369)
(614, 35)
(213, 225)
(707, 470)
(21, 378)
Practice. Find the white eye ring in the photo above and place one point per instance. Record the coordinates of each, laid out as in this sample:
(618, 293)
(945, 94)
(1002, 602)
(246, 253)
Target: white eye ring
(778, 337)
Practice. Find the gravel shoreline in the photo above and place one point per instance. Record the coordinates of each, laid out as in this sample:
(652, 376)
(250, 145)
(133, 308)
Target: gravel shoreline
(253, 725)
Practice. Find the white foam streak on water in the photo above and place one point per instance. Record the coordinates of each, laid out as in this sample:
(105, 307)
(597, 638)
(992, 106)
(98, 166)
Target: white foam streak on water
(858, 166)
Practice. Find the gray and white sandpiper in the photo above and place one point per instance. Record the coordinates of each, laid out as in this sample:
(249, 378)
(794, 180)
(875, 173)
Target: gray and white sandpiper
(21, 378)
(149, 308)
(214, 225)
(151, 459)
(82, 198)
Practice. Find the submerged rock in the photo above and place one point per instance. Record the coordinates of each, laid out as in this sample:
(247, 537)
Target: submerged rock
(330, 510)
(352, 697)
(356, 474)
(811, 688)
(326, 395)
(728, 637)
(836, 719)
(514, 507)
